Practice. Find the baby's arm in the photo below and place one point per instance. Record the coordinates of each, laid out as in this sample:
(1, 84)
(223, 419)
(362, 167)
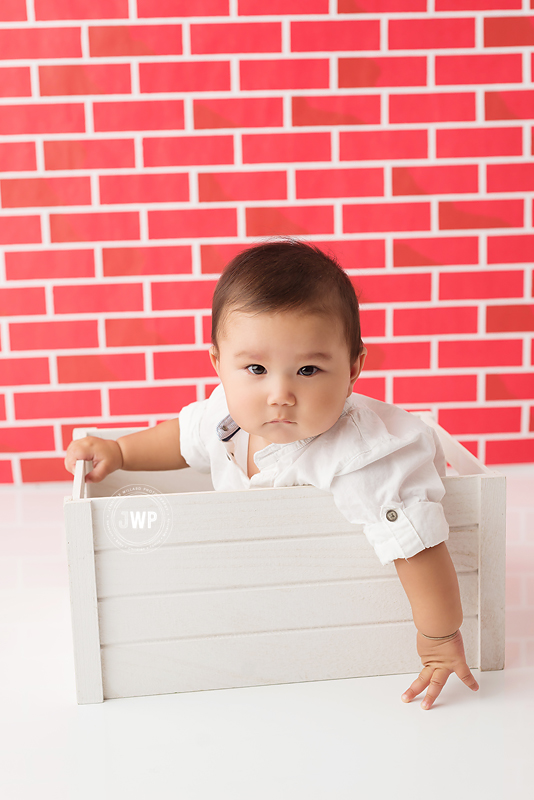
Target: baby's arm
(429, 579)
(152, 449)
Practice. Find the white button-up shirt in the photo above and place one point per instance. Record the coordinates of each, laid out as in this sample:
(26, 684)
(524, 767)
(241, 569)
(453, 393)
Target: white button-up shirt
(381, 464)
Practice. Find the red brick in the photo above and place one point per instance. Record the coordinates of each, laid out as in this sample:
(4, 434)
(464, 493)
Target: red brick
(101, 368)
(27, 192)
(435, 180)
(472, 285)
(359, 254)
(53, 335)
(49, 264)
(386, 217)
(46, 405)
(340, 183)
(435, 252)
(192, 223)
(149, 331)
(76, 79)
(378, 145)
(38, 118)
(20, 440)
(228, 186)
(335, 35)
(144, 188)
(509, 318)
(43, 470)
(479, 142)
(182, 8)
(67, 430)
(286, 147)
(188, 150)
(398, 355)
(519, 386)
(510, 177)
(84, 299)
(90, 154)
(510, 249)
(476, 5)
(481, 214)
(146, 260)
(252, 8)
(509, 31)
(182, 295)
(243, 112)
(509, 105)
(80, 9)
(429, 34)
(103, 227)
(289, 221)
(426, 321)
(23, 371)
(15, 82)
(301, 73)
(135, 40)
(371, 387)
(236, 37)
(498, 68)
(16, 302)
(481, 353)
(17, 156)
(185, 76)
(337, 110)
(382, 71)
(373, 322)
(435, 388)
(444, 107)
(6, 472)
(392, 288)
(39, 43)
(379, 6)
(151, 399)
(140, 115)
(13, 11)
(20, 230)
(480, 420)
(214, 257)
(514, 451)
(188, 364)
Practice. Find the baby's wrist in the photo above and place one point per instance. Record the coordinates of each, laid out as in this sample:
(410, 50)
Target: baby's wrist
(440, 638)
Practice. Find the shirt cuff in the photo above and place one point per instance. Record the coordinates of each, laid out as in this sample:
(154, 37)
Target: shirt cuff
(404, 532)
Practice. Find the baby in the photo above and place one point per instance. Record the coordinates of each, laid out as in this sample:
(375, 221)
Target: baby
(286, 346)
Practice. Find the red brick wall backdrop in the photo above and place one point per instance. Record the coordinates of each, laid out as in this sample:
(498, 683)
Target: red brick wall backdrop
(138, 153)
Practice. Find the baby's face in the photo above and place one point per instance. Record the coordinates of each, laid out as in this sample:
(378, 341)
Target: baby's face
(286, 376)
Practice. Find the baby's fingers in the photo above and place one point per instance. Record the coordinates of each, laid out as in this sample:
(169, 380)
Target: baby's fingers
(465, 675)
(419, 685)
(436, 684)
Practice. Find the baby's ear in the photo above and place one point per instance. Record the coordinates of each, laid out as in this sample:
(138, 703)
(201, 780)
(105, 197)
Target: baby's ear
(214, 358)
(357, 367)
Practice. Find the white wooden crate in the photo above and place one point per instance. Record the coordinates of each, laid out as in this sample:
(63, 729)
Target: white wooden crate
(264, 586)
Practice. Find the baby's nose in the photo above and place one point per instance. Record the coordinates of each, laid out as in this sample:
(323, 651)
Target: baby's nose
(281, 394)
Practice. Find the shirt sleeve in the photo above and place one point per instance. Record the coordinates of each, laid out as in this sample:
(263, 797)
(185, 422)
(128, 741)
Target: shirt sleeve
(397, 495)
(192, 446)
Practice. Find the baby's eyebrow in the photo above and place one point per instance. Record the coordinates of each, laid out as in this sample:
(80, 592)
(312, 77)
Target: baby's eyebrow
(300, 357)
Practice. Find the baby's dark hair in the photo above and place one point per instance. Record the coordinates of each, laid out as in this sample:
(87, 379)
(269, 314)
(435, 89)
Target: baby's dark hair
(287, 275)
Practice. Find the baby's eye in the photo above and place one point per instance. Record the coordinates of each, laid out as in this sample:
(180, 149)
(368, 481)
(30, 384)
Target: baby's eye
(256, 369)
(308, 371)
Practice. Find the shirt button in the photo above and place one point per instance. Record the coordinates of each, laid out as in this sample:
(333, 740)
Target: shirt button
(391, 515)
(228, 456)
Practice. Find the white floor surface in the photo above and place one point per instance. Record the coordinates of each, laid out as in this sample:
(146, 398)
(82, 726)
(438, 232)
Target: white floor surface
(333, 739)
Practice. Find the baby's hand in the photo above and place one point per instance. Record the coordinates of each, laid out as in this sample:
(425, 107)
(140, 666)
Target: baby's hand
(440, 659)
(105, 454)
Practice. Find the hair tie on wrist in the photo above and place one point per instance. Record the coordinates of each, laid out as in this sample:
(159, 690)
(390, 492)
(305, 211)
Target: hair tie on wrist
(436, 638)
